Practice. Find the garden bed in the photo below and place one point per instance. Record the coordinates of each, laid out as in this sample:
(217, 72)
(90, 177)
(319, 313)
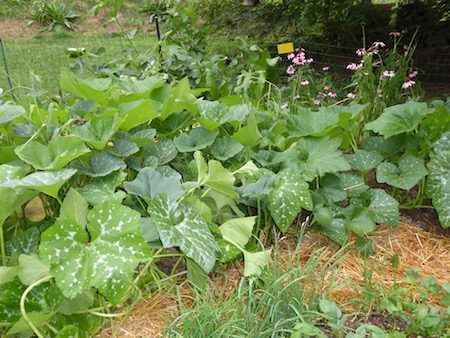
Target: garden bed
(426, 251)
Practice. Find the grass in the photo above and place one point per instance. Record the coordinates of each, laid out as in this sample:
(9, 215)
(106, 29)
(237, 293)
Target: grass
(286, 294)
(35, 63)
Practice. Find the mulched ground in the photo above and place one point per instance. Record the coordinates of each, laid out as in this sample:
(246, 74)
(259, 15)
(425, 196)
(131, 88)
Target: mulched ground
(428, 251)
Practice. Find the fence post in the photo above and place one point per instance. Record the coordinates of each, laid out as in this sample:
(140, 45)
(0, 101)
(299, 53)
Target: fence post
(7, 72)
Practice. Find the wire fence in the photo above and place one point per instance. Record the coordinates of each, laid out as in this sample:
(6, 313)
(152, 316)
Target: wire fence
(36, 64)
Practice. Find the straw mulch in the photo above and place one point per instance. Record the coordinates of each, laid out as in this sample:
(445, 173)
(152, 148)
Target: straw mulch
(428, 252)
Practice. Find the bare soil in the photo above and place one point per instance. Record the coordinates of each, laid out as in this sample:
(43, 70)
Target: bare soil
(16, 28)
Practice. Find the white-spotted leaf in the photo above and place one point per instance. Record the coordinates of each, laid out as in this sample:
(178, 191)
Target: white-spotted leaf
(289, 195)
(364, 160)
(438, 182)
(384, 208)
(48, 182)
(409, 172)
(104, 257)
(179, 225)
(103, 189)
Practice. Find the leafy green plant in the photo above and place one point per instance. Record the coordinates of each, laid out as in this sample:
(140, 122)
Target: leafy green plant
(277, 298)
(178, 155)
(54, 15)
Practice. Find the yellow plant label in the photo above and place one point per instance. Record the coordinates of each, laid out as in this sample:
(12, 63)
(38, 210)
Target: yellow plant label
(285, 48)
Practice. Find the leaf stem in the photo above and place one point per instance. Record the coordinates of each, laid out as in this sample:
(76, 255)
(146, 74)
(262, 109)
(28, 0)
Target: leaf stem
(22, 305)
(2, 245)
(258, 225)
(105, 315)
(206, 191)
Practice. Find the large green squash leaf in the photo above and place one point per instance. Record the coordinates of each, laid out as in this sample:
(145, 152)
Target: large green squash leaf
(179, 225)
(98, 131)
(248, 135)
(12, 197)
(384, 208)
(317, 156)
(56, 155)
(107, 261)
(123, 148)
(99, 164)
(133, 89)
(398, 119)
(438, 182)
(9, 113)
(289, 195)
(409, 172)
(74, 208)
(259, 189)
(149, 183)
(238, 230)
(137, 113)
(163, 150)
(31, 269)
(102, 189)
(352, 184)
(95, 89)
(195, 139)
(364, 160)
(219, 179)
(181, 98)
(48, 182)
(25, 242)
(214, 114)
(361, 222)
(225, 148)
(336, 230)
(312, 123)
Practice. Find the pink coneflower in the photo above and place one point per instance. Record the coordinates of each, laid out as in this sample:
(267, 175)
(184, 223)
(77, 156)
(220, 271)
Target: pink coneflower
(361, 52)
(408, 84)
(396, 34)
(327, 87)
(308, 61)
(317, 102)
(353, 66)
(331, 94)
(304, 83)
(291, 56)
(413, 74)
(290, 70)
(388, 73)
(378, 44)
(351, 96)
(299, 59)
(326, 69)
